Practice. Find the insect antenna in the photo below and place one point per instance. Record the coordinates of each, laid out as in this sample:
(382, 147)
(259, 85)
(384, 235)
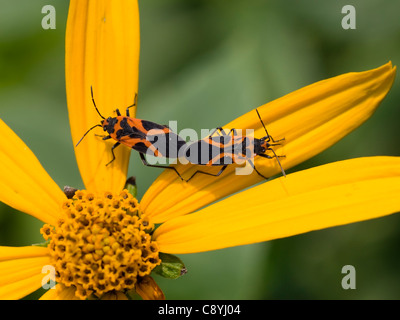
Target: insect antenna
(277, 159)
(272, 150)
(94, 103)
(97, 125)
(265, 128)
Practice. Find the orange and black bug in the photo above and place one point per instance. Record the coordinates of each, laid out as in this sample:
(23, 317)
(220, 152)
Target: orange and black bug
(144, 136)
(224, 148)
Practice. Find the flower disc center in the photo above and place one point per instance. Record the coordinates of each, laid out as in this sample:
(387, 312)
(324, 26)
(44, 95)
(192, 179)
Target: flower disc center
(102, 243)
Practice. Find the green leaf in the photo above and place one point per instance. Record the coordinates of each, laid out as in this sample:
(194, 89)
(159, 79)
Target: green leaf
(130, 185)
(171, 266)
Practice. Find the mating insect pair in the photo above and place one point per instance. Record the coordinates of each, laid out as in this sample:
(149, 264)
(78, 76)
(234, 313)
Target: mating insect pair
(151, 138)
(222, 149)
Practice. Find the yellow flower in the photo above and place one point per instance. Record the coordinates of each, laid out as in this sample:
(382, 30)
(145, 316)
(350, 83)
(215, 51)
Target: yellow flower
(101, 242)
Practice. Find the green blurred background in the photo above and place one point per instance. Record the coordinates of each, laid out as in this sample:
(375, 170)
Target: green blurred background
(204, 63)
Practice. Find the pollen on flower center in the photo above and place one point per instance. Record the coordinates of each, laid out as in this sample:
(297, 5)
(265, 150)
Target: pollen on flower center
(101, 244)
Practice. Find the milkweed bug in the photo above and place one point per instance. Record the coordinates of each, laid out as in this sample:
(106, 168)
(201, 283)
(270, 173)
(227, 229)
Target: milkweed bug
(144, 136)
(223, 149)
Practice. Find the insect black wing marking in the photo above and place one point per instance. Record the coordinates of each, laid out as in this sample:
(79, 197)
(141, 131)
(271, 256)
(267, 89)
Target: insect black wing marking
(202, 153)
(148, 125)
(140, 147)
(167, 144)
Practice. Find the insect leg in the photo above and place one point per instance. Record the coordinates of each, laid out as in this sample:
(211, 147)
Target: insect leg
(103, 136)
(254, 167)
(220, 130)
(155, 166)
(208, 173)
(275, 142)
(132, 105)
(233, 130)
(275, 156)
(112, 151)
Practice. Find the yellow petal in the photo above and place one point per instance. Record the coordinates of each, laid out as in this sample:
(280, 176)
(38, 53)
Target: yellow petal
(310, 119)
(102, 51)
(330, 195)
(24, 184)
(21, 270)
(10, 253)
(148, 289)
(60, 292)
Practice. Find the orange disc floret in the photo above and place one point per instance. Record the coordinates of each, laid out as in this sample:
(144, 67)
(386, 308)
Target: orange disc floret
(101, 244)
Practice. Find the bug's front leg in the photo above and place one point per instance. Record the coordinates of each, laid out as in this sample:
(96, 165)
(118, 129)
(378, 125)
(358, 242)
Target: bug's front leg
(104, 137)
(132, 105)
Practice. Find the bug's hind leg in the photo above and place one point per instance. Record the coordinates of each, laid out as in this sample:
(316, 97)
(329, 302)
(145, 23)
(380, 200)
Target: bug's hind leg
(220, 131)
(208, 173)
(155, 166)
